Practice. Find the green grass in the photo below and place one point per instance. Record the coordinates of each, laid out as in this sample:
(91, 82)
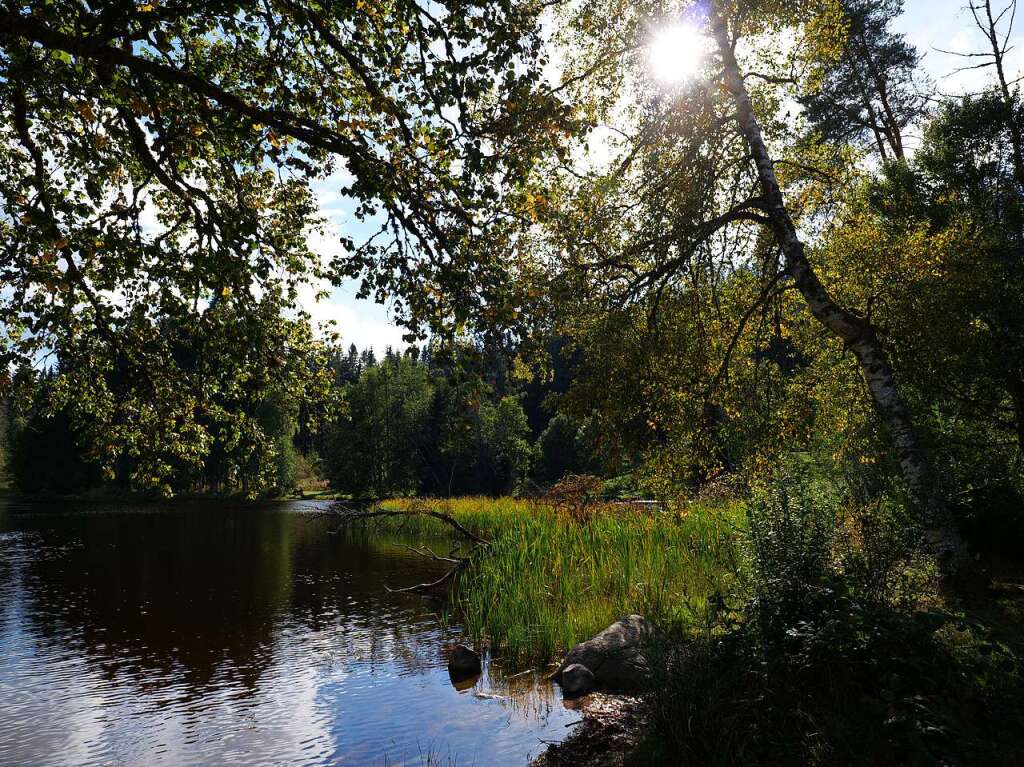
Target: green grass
(549, 581)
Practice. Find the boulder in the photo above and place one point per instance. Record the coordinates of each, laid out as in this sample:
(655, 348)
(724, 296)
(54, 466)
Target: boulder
(615, 657)
(577, 680)
(463, 662)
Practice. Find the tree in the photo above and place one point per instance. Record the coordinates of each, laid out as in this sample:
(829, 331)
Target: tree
(376, 446)
(695, 196)
(856, 332)
(156, 160)
(45, 454)
(868, 94)
(997, 27)
(932, 250)
(562, 449)
(506, 455)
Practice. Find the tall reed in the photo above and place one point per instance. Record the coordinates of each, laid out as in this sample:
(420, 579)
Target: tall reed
(549, 581)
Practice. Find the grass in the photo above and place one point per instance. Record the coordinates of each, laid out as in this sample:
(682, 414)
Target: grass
(549, 581)
(823, 663)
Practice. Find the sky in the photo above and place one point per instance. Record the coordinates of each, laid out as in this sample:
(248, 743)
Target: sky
(928, 24)
(945, 24)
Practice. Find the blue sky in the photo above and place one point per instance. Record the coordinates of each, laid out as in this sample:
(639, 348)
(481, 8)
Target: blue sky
(928, 24)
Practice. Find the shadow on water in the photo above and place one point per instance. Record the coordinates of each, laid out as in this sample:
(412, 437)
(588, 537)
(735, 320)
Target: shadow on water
(260, 634)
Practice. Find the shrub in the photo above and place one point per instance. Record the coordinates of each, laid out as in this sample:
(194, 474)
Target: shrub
(792, 530)
(578, 495)
(827, 664)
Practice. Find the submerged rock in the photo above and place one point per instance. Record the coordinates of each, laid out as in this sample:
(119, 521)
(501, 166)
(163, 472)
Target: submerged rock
(481, 695)
(615, 657)
(463, 662)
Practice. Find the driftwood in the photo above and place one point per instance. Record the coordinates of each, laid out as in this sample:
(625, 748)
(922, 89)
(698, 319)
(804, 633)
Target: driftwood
(348, 514)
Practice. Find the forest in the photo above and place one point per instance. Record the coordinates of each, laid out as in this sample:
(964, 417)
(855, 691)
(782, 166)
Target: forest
(713, 312)
(407, 424)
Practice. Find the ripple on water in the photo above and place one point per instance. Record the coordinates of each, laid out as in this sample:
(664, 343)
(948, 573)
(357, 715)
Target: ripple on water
(236, 636)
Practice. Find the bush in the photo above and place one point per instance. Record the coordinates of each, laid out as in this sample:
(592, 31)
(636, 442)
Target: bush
(624, 487)
(577, 495)
(855, 684)
(824, 663)
(792, 532)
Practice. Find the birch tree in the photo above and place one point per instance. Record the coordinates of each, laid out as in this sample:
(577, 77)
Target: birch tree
(697, 192)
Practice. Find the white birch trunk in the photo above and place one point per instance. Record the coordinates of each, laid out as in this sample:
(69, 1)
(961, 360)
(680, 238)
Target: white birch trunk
(856, 332)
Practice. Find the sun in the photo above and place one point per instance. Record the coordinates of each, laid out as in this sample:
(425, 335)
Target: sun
(676, 52)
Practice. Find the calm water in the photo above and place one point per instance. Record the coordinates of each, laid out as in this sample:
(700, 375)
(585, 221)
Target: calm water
(249, 636)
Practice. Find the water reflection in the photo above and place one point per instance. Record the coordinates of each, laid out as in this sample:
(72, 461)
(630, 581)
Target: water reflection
(255, 635)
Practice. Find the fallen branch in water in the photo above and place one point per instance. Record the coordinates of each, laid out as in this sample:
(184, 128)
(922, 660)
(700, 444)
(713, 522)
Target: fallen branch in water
(355, 515)
(348, 514)
(425, 552)
(432, 586)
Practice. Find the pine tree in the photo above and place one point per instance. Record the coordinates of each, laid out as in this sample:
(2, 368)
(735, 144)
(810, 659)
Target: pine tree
(868, 96)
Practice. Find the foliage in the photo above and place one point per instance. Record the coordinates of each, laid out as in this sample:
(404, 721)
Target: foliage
(858, 683)
(827, 661)
(930, 249)
(214, 417)
(565, 447)
(577, 495)
(867, 95)
(374, 447)
(792, 527)
(413, 426)
(157, 164)
(44, 456)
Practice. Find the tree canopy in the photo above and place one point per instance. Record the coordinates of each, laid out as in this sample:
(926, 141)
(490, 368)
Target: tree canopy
(157, 164)
(743, 262)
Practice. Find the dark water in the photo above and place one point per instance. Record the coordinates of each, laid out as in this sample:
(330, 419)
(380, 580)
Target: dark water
(250, 636)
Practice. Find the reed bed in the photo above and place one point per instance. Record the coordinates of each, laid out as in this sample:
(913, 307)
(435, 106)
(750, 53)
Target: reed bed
(550, 579)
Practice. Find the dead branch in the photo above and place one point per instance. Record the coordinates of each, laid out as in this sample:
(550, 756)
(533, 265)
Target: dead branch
(356, 515)
(433, 586)
(425, 552)
(348, 514)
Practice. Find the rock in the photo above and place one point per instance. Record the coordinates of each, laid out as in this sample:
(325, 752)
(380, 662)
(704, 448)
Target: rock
(463, 662)
(615, 657)
(577, 680)
(488, 696)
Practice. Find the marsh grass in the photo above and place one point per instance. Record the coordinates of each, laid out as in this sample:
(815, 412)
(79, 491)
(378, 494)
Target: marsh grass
(550, 580)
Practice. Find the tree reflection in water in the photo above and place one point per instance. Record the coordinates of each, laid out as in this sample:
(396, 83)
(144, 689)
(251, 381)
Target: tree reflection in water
(149, 635)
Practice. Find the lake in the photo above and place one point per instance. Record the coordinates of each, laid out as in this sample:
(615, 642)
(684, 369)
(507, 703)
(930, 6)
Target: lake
(253, 634)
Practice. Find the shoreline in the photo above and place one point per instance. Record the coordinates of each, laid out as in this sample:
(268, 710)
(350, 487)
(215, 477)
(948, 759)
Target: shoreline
(610, 732)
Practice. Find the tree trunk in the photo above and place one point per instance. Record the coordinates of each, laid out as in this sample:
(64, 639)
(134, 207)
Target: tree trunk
(857, 333)
(879, 141)
(989, 28)
(888, 115)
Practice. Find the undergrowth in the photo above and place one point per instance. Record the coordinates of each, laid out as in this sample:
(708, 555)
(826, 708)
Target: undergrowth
(800, 627)
(844, 652)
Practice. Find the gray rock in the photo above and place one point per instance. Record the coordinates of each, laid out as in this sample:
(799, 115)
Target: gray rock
(615, 657)
(463, 662)
(577, 680)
